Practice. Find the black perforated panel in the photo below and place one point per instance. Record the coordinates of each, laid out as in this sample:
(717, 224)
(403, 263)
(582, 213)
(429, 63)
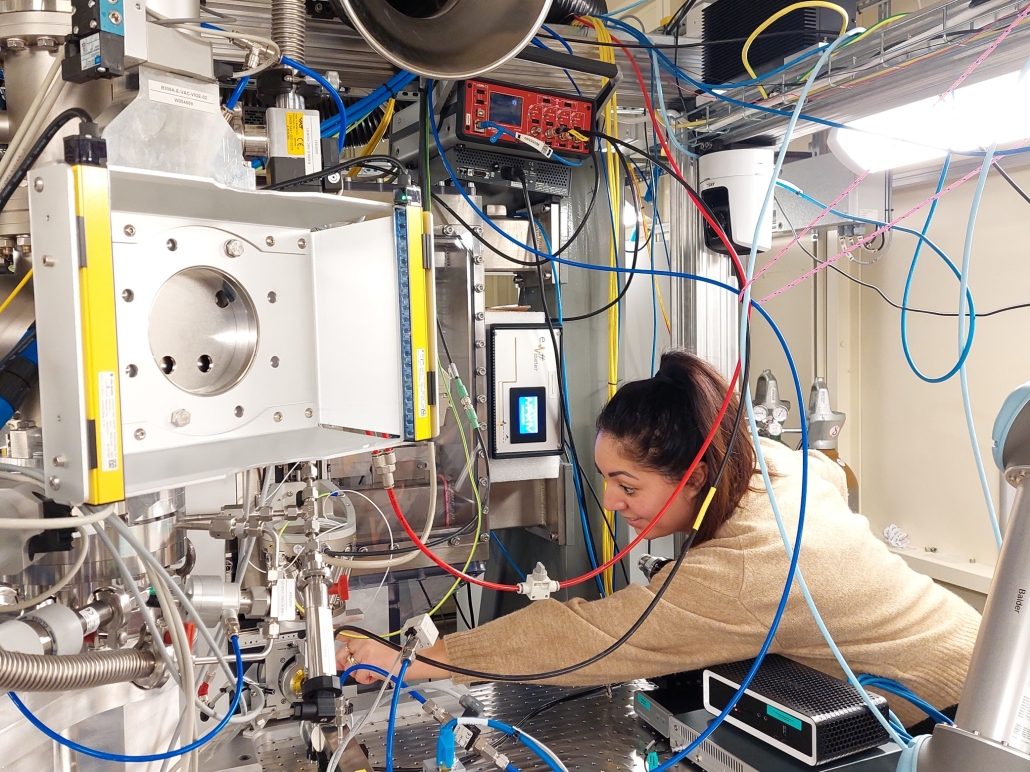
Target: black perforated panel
(844, 724)
(484, 167)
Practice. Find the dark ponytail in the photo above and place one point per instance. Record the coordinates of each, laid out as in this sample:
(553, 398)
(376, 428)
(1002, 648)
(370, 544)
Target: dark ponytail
(661, 423)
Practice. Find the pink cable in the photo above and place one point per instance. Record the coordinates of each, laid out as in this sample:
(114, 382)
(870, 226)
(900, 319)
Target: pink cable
(990, 49)
(876, 233)
(806, 229)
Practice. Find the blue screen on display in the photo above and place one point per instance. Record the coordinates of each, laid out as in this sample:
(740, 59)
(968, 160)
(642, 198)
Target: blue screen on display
(528, 415)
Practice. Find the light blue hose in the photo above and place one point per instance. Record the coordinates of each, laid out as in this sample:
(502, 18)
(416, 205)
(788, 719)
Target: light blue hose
(391, 726)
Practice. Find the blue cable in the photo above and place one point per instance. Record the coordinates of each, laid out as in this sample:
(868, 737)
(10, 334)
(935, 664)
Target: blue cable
(967, 405)
(540, 44)
(391, 725)
(511, 731)
(921, 235)
(511, 562)
(900, 690)
(378, 670)
(908, 289)
(340, 106)
(366, 105)
(237, 93)
(122, 758)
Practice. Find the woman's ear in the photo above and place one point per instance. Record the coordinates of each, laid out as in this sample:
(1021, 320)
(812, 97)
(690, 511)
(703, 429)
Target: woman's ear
(698, 480)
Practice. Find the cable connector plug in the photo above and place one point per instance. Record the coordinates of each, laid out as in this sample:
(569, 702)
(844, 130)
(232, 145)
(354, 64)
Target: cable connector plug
(462, 395)
(538, 586)
(385, 463)
(420, 632)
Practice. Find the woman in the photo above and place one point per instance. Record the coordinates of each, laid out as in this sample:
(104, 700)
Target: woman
(887, 619)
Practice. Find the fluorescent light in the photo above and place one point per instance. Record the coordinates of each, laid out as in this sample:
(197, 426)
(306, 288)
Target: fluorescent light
(970, 118)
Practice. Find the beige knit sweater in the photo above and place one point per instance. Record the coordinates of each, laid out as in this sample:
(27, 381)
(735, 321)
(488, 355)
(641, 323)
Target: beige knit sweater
(887, 619)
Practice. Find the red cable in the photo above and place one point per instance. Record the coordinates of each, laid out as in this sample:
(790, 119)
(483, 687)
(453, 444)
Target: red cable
(585, 577)
(439, 561)
(672, 160)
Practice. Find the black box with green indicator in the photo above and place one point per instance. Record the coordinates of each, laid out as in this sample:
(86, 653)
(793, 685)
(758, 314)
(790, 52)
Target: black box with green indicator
(803, 712)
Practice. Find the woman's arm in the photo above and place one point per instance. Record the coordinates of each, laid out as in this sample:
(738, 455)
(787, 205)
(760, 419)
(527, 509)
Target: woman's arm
(365, 651)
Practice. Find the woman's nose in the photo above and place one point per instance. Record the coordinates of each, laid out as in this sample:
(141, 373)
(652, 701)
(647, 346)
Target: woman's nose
(613, 502)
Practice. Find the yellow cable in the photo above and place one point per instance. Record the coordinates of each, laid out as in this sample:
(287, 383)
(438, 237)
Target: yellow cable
(880, 24)
(15, 291)
(615, 197)
(704, 509)
(377, 137)
(479, 513)
(779, 15)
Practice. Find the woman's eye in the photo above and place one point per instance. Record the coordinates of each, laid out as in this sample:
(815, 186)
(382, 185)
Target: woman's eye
(629, 491)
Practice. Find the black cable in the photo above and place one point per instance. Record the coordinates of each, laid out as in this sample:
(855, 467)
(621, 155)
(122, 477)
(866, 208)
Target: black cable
(368, 162)
(423, 146)
(644, 615)
(433, 605)
(472, 612)
(532, 263)
(882, 294)
(1015, 186)
(37, 149)
(636, 248)
(677, 18)
(548, 705)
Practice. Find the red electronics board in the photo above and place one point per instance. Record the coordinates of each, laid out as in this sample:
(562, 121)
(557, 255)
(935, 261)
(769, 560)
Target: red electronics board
(535, 114)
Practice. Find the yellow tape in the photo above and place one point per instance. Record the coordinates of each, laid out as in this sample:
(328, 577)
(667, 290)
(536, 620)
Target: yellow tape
(99, 335)
(704, 509)
(421, 354)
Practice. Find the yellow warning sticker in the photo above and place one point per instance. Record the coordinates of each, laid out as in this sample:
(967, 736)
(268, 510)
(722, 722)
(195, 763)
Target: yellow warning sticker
(295, 133)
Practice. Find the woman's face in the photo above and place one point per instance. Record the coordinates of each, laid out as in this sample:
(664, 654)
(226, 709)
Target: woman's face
(638, 493)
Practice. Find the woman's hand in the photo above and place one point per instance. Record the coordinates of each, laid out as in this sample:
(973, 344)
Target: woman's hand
(364, 651)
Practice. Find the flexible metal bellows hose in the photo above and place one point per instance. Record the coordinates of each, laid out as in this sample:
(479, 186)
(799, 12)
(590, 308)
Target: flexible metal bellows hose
(288, 28)
(49, 673)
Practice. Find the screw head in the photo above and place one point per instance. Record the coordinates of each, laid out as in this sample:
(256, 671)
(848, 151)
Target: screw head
(480, 288)
(309, 413)
(129, 230)
(131, 370)
(181, 417)
(55, 483)
(480, 371)
(128, 295)
(481, 397)
(172, 245)
(454, 542)
(482, 427)
(484, 537)
(270, 241)
(238, 411)
(483, 482)
(480, 344)
(115, 17)
(233, 248)
(277, 417)
(448, 230)
(139, 434)
(302, 243)
(274, 362)
(48, 261)
(478, 259)
(480, 316)
(272, 297)
(59, 461)
(37, 184)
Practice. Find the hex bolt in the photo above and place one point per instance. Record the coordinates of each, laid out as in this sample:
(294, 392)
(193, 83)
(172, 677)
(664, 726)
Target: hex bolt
(181, 417)
(454, 542)
(480, 316)
(55, 483)
(484, 536)
(478, 259)
(59, 461)
(48, 261)
(37, 184)
(233, 248)
(270, 241)
(277, 417)
(448, 230)
(302, 243)
(129, 230)
(480, 371)
(139, 434)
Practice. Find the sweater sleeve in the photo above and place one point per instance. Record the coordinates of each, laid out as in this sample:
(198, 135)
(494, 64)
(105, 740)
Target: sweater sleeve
(678, 635)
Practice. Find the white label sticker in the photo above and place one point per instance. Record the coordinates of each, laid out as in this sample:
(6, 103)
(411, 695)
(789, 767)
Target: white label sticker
(423, 400)
(462, 736)
(180, 96)
(869, 214)
(91, 617)
(541, 147)
(1020, 737)
(313, 145)
(107, 431)
(89, 52)
(284, 594)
